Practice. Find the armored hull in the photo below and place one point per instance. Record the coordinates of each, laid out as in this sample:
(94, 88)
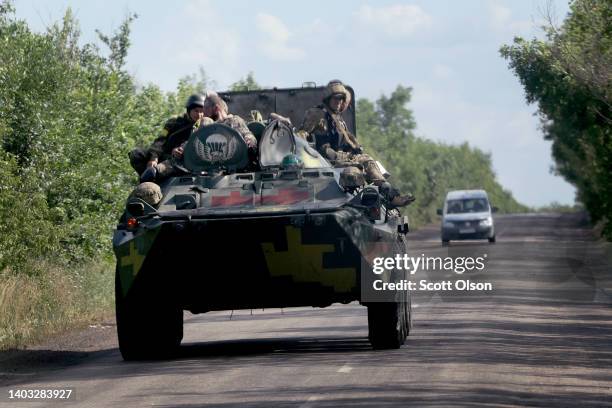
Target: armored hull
(223, 238)
(274, 258)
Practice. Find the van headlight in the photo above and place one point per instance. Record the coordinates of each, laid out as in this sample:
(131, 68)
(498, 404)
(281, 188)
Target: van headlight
(487, 222)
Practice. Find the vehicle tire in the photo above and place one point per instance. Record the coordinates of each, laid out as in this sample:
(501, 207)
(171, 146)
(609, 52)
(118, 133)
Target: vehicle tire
(445, 242)
(408, 316)
(492, 239)
(147, 329)
(388, 324)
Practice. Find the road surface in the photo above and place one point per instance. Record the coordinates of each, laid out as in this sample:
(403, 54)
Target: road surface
(541, 337)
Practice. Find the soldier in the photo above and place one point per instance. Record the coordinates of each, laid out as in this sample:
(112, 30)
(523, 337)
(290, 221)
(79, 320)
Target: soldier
(176, 131)
(216, 109)
(324, 125)
(347, 101)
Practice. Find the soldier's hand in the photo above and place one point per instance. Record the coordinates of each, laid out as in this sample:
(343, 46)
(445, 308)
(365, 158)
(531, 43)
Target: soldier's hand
(177, 152)
(331, 154)
(151, 163)
(276, 116)
(251, 141)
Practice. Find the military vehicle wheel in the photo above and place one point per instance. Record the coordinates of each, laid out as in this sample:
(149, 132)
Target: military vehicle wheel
(389, 324)
(146, 328)
(492, 239)
(445, 242)
(408, 316)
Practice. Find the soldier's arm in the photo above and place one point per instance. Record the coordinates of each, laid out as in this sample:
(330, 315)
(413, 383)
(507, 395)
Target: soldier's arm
(314, 122)
(276, 116)
(327, 152)
(237, 123)
(249, 138)
(155, 151)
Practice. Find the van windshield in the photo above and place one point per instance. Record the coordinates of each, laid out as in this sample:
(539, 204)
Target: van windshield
(468, 205)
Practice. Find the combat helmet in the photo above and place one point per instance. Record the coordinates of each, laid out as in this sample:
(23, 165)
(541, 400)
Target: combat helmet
(334, 87)
(292, 161)
(194, 100)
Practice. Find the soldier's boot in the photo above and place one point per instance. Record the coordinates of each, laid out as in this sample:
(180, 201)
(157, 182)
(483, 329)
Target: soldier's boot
(402, 200)
(159, 171)
(165, 169)
(393, 196)
(149, 175)
(372, 171)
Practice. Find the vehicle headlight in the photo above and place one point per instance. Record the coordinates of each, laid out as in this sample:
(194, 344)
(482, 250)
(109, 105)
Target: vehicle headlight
(487, 222)
(447, 224)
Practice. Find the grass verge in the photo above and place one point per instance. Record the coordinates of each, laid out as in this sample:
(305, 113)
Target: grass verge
(35, 306)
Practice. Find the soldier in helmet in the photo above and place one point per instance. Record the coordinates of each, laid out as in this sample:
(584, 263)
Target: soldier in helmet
(216, 109)
(175, 132)
(325, 125)
(347, 100)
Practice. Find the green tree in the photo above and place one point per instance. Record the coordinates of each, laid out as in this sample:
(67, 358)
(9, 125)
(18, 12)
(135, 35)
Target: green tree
(245, 84)
(423, 167)
(569, 76)
(190, 84)
(68, 117)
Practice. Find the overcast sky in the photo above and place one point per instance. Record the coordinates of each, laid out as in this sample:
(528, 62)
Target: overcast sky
(447, 51)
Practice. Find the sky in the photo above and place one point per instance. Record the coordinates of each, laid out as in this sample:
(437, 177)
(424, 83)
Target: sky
(447, 51)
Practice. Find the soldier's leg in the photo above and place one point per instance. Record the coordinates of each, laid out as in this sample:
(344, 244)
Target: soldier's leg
(372, 172)
(375, 176)
(138, 160)
(165, 169)
(159, 172)
(343, 157)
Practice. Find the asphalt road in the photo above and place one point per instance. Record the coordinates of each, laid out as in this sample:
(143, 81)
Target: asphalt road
(541, 337)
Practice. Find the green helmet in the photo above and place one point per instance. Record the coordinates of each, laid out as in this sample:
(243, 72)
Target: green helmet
(194, 100)
(292, 161)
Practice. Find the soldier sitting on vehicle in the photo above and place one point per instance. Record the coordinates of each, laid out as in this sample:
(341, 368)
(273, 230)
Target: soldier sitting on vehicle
(325, 126)
(175, 132)
(216, 109)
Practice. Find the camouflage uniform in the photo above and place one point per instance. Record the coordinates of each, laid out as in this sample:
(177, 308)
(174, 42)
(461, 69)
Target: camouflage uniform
(175, 132)
(239, 125)
(166, 168)
(236, 123)
(335, 142)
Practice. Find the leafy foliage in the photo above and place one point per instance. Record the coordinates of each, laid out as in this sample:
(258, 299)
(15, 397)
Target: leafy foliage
(70, 113)
(423, 167)
(27, 229)
(245, 84)
(68, 117)
(569, 76)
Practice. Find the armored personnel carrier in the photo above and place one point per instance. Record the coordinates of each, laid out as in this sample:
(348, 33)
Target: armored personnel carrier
(230, 232)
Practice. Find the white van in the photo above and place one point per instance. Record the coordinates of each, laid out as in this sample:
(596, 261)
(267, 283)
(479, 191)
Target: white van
(467, 214)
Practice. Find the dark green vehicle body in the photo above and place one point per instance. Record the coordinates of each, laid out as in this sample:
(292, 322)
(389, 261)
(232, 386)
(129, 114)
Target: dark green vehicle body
(227, 238)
